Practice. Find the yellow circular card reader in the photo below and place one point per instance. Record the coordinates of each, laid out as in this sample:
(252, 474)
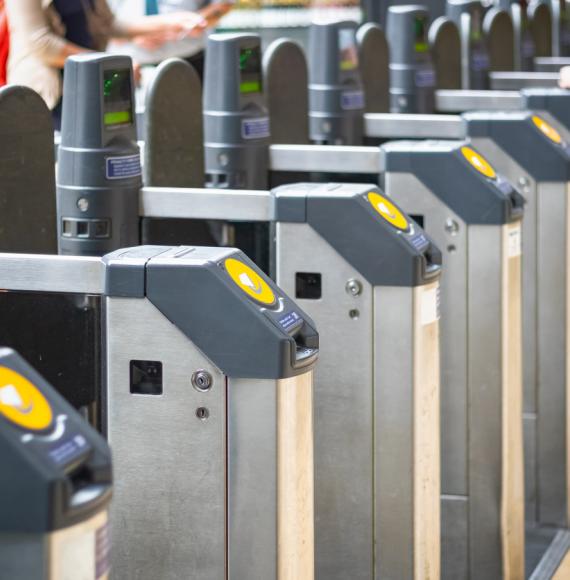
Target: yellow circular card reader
(250, 281)
(22, 403)
(478, 162)
(388, 211)
(547, 129)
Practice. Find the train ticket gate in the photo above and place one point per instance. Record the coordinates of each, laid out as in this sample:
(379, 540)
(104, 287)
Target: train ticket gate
(502, 526)
(226, 452)
(56, 482)
(482, 453)
(413, 94)
(347, 292)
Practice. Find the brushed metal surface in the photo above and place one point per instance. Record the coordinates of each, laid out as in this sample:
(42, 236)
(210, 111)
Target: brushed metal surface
(47, 273)
(252, 479)
(413, 196)
(455, 537)
(448, 101)
(485, 365)
(552, 421)
(168, 509)
(514, 81)
(214, 204)
(404, 126)
(343, 390)
(325, 158)
(393, 432)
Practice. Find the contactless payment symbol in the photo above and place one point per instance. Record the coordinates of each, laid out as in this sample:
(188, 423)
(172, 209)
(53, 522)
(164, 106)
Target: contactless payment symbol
(547, 129)
(249, 281)
(388, 211)
(478, 162)
(22, 403)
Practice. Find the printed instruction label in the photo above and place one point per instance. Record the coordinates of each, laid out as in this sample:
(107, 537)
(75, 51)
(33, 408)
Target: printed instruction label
(123, 167)
(514, 242)
(68, 448)
(289, 320)
(255, 128)
(352, 100)
(430, 306)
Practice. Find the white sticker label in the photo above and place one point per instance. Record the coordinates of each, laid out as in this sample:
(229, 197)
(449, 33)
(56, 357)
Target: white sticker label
(430, 306)
(514, 243)
(255, 128)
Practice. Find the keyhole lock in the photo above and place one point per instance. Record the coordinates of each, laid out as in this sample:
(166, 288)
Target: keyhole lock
(202, 381)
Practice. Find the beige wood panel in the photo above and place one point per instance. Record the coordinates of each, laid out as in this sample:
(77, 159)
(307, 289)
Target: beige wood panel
(426, 433)
(512, 500)
(72, 550)
(295, 483)
(563, 572)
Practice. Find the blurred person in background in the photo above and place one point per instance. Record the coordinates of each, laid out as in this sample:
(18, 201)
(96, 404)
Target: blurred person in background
(43, 33)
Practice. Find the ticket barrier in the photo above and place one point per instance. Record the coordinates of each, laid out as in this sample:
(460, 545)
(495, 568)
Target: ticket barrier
(219, 429)
(377, 456)
(499, 530)
(412, 93)
(56, 482)
(533, 131)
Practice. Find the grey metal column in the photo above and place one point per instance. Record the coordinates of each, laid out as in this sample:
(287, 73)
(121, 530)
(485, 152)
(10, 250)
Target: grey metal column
(371, 284)
(478, 373)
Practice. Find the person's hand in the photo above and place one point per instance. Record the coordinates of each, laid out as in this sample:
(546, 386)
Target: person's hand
(564, 81)
(177, 25)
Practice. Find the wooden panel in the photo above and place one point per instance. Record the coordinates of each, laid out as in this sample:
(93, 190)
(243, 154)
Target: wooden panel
(426, 433)
(512, 500)
(295, 478)
(72, 551)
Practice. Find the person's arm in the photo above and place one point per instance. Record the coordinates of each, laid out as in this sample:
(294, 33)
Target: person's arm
(28, 20)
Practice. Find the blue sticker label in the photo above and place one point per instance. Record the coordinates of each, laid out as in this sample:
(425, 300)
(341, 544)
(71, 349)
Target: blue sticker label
(255, 128)
(504, 186)
(352, 100)
(479, 60)
(123, 167)
(527, 48)
(68, 448)
(289, 320)
(419, 241)
(425, 77)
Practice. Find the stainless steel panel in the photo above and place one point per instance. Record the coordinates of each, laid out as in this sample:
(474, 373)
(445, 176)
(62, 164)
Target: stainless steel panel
(485, 400)
(325, 158)
(455, 537)
(344, 403)
(252, 479)
(552, 260)
(530, 475)
(47, 273)
(214, 204)
(528, 187)
(456, 101)
(417, 200)
(168, 510)
(403, 126)
(394, 432)
(514, 81)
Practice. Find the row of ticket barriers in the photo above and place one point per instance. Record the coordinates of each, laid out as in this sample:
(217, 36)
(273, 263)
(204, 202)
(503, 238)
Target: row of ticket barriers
(374, 385)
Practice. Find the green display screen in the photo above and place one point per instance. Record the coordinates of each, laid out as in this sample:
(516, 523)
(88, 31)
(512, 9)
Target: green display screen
(348, 53)
(117, 98)
(420, 34)
(476, 24)
(250, 70)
